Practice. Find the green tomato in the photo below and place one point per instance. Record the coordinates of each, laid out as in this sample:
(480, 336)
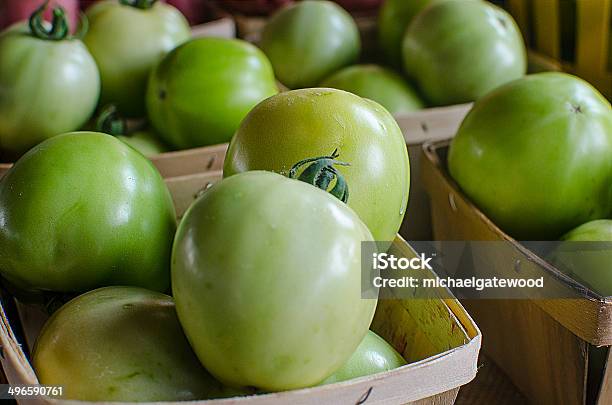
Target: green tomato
(379, 84)
(127, 42)
(122, 344)
(373, 356)
(589, 263)
(457, 51)
(47, 87)
(145, 142)
(201, 91)
(84, 210)
(593, 231)
(309, 41)
(266, 276)
(307, 123)
(535, 155)
(394, 17)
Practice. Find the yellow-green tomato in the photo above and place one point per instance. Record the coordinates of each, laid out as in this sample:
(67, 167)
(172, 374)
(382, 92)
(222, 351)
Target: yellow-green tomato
(121, 344)
(373, 355)
(145, 142)
(127, 38)
(594, 231)
(379, 84)
(535, 155)
(200, 92)
(587, 255)
(266, 274)
(309, 41)
(47, 87)
(457, 51)
(308, 123)
(84, 210)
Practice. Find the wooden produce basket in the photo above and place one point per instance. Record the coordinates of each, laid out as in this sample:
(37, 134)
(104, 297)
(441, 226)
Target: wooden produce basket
(542, 345)
(190, 161)
(436, 336)
(573, 33)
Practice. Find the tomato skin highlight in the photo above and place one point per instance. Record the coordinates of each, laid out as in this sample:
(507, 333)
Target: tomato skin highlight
(266, 276)
(47, 88)
(309, 41)
(84, 210)
(201, 91)
(322, 120)
(535, 156)
(127, 43)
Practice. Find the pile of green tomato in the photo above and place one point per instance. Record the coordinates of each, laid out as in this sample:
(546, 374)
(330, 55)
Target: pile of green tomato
(264, 267)
(133, 59)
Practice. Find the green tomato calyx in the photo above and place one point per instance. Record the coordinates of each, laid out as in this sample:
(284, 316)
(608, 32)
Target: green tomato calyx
(141, 4)
(109, 121)
(57, 31)
(320, 172)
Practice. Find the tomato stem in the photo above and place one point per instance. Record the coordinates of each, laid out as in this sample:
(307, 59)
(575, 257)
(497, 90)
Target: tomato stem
(58, 30)
(320, 172)
(109, 121)
(141, 4)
